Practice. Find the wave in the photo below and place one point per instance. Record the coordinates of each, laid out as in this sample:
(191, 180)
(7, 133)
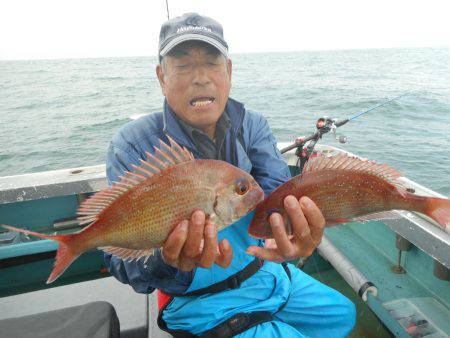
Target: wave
(27, 106)
(107, 125)
(79, 107)
(136, 116)
(5, 157)
(66, 100)
(110, 78)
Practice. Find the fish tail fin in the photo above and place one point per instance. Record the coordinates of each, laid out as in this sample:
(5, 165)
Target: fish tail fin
(439, 210)
(67, 252)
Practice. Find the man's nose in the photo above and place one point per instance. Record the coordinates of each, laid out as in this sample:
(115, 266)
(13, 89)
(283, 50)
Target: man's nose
(200, 75)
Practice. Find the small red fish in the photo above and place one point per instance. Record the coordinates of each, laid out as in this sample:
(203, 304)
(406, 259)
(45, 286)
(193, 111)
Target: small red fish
(346, 188)
(137, 214)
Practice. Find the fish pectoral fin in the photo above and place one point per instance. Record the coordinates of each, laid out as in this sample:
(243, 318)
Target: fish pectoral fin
(330, 222)
(378, 216)
(127, 254)
(213, 218)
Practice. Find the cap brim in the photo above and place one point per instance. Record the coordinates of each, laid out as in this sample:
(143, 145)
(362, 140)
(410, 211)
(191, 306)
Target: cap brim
(189, 37)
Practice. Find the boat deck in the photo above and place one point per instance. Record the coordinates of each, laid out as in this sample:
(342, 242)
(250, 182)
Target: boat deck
(47, 202)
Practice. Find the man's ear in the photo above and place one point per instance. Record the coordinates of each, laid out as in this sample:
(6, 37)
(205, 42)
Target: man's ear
(160, 75)
(229, 67)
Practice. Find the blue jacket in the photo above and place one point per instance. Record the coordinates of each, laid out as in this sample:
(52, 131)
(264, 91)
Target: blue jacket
(255, 152)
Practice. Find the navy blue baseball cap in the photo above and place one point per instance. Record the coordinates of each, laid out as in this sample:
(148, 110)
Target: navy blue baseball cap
(188, 27)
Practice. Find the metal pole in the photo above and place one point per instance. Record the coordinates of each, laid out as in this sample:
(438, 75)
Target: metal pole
(167, 9)
(346, 269)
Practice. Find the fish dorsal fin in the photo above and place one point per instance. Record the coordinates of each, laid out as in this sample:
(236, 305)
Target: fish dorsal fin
(127, 254)
(353, 164)
(164, 157)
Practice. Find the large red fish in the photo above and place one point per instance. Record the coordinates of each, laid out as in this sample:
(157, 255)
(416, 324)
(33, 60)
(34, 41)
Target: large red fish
(137, 214)
(346, 188)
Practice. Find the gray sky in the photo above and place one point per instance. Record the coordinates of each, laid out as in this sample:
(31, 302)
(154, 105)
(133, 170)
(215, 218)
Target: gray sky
(99, 28)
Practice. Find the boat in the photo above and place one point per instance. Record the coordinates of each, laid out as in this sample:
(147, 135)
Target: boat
(395, 270)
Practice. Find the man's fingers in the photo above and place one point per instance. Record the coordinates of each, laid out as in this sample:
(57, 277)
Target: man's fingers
(225, 255)
(186, 264)
(174, 243)
(265, 254)
(307, 224)
(210, 246)
(279, 234)
(314, 217)
(299, 223)
(191, 248)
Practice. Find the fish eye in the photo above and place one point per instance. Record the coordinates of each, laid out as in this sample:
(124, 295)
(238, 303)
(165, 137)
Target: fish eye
(241, 187)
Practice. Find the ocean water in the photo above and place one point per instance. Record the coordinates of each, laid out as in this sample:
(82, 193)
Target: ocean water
(62, 113)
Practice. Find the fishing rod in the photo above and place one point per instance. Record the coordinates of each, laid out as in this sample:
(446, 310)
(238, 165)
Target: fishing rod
(167, 9)
(325, 125)
(375, 107)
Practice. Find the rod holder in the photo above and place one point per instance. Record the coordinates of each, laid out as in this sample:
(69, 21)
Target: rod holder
(398, 268)
(402, 243)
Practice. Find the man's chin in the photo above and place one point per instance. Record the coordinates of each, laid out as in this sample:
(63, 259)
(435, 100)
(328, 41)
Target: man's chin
(205, 115)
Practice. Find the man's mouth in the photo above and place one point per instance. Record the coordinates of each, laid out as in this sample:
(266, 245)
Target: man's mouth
(201, 101)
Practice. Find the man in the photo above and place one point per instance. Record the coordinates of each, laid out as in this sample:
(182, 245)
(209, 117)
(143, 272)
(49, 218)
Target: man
(224, 283)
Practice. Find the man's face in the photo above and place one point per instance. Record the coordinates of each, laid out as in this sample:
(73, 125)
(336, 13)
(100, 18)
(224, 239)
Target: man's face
(196, 80)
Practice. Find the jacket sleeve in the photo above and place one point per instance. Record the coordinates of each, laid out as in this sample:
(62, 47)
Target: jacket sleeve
(144, 277)
(268, 166)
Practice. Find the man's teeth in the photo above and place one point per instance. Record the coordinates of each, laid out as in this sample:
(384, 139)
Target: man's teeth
(201, 103)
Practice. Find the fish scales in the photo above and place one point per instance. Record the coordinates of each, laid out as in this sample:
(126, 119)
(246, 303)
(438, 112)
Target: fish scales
(137, 213)
(346, 188)
(342, 194)
(141, 217)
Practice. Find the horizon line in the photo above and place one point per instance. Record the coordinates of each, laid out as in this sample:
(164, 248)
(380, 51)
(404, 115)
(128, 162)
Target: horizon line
(237, 53)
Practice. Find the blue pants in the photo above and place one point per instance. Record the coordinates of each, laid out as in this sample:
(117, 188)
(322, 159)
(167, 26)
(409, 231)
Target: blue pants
(313, 310)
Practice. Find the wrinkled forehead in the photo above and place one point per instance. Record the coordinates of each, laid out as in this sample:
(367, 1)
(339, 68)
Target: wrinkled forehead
(190, 48)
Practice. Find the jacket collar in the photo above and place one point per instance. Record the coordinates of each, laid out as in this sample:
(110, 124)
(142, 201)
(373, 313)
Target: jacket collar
(171, 127)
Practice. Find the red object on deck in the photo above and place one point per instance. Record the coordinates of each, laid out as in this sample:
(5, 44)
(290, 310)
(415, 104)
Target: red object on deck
(163, 299)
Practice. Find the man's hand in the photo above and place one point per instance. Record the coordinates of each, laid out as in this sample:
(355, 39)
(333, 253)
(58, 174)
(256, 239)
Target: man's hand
(307, 224)
(194, 243)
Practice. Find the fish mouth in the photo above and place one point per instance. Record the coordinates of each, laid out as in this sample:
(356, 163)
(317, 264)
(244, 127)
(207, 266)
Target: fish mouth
(249, 203)
(256, 195)
(259, 228)
(202, 101)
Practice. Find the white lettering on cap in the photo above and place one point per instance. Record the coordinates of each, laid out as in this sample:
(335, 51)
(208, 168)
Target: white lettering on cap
(184, 29)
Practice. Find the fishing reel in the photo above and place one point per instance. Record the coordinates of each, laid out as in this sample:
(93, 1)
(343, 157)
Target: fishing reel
(327, 125)
(305, 145)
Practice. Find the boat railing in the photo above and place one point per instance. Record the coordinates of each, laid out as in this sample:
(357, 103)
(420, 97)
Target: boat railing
(416, 228)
